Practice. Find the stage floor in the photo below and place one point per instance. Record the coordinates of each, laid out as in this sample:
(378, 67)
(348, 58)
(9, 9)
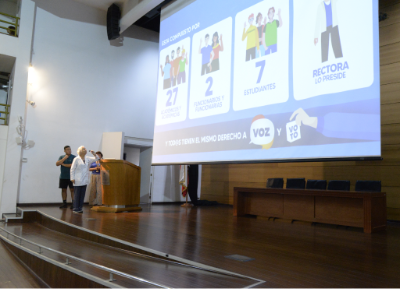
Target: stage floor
(284, 255)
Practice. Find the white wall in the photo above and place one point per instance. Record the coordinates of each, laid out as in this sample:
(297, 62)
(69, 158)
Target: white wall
(132, 155)
(20, 48)
(84, 87)
(3, 148)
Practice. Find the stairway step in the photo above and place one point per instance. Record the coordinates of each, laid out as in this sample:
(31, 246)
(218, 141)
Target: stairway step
(8, 216)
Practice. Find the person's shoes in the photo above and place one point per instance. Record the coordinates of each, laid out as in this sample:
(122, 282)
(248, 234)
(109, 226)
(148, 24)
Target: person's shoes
(80, 211)
(76, 212)
(63, 206)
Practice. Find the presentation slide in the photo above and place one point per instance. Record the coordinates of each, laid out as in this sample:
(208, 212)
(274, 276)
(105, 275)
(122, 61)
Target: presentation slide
(273, 80)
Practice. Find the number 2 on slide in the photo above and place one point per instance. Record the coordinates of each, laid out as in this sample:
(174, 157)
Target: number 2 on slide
(209, 91)
(170, 95)
(262, 65)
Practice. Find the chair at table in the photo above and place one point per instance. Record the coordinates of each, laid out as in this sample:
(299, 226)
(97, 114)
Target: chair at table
(339, 185)
(275, 183)
(296, 183)
(316, 184)
(368, 186)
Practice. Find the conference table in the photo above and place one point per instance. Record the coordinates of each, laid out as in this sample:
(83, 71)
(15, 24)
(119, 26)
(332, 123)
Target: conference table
(356, 209)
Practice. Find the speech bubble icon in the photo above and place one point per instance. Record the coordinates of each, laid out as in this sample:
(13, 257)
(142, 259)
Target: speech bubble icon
(262, 132)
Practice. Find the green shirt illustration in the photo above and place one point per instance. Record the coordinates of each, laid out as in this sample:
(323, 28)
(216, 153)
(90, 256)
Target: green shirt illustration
(182, 65)
(271, 33)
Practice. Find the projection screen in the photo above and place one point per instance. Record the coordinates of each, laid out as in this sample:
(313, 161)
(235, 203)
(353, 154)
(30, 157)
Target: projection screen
(264, 81)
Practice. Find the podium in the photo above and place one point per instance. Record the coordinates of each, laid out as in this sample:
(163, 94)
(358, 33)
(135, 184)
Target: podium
(120, 183)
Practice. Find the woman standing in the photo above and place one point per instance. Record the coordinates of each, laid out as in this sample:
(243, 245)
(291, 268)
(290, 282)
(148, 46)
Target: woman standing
(80, 176)
(260, 28)
(95, 198)
(217, 47)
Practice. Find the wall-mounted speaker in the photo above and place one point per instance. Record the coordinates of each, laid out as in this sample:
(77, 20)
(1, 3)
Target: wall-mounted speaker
(113, 17)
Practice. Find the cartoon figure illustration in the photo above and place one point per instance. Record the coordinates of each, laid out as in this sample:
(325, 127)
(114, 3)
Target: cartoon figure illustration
(166, 73)
(207, 55)
(252, 39)
(173, 81)
(182, 67)
(175, 64)
(217, 47)
(342, 125)
(260, 28)
(270, 34)
(327, 27)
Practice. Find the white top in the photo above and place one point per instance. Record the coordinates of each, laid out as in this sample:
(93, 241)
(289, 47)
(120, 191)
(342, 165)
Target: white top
(80, 170)
(321, 17)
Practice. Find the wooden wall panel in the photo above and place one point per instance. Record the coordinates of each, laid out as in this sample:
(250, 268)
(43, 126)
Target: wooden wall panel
(390, 92)
(389, 34)
(393, 13)
(389, 54)
(218, 181)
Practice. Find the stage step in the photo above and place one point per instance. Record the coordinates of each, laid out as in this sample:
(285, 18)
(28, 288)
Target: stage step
(18, 216)
(58, 263)
(128, 266)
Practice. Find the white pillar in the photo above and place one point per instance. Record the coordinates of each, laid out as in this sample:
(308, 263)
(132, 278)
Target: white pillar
(21, 49)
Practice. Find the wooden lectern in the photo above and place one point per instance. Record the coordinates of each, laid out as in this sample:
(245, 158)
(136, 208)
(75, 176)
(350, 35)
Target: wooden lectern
(120, 182)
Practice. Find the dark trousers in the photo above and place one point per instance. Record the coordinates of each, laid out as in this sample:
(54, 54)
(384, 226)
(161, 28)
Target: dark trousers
(181, 77)
(250, 54)
(333, 33)
(79, 197)
(215, 65)
(193, 176)
(205, 69)
(167, 83)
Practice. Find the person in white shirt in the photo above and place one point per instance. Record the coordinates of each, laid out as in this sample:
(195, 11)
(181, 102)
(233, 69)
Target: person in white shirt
(80, 176)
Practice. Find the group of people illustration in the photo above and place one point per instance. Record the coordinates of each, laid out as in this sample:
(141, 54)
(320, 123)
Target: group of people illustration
(174, 70)
(262, 38)
(210, 53)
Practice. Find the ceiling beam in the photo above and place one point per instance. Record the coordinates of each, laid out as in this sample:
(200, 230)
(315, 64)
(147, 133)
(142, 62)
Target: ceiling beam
(135, 12)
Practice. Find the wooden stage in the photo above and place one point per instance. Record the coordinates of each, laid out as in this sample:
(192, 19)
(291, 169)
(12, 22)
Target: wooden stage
(285, 255)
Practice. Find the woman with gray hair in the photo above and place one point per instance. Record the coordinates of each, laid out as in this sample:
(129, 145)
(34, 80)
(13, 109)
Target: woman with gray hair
(80, 176)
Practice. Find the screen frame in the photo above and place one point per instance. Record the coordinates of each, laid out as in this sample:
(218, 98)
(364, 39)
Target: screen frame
(180, 4)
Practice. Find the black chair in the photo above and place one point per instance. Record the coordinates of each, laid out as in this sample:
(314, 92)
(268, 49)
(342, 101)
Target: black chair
(296, 183)
(275, 183)
(339, 185)
(316, 184)
(368, 186)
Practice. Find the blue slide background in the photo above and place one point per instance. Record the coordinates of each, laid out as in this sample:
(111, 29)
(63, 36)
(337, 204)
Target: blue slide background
(209, 12)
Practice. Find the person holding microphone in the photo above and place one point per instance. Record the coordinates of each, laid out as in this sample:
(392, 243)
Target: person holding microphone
(80, 176)
(95, 197)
